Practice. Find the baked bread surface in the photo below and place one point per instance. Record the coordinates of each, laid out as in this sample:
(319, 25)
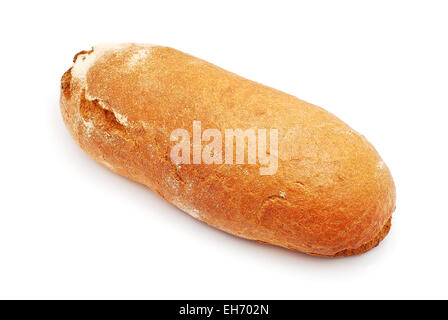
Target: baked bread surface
(332, 194)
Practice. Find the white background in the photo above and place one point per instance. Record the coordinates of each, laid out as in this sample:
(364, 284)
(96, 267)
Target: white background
(71, 229)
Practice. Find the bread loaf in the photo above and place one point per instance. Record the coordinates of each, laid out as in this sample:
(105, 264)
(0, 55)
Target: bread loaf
(328, 192)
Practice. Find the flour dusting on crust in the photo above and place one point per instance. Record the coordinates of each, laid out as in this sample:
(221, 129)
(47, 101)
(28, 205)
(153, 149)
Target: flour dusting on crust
(191, 211)
(86, 60)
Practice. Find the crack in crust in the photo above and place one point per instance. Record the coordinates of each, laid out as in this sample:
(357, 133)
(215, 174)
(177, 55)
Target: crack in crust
(93, 110)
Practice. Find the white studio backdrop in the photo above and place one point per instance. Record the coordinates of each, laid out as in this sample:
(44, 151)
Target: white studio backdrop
(71, 229)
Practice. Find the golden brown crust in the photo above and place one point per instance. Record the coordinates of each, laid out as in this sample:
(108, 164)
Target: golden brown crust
(366, 246)
(331, 196)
